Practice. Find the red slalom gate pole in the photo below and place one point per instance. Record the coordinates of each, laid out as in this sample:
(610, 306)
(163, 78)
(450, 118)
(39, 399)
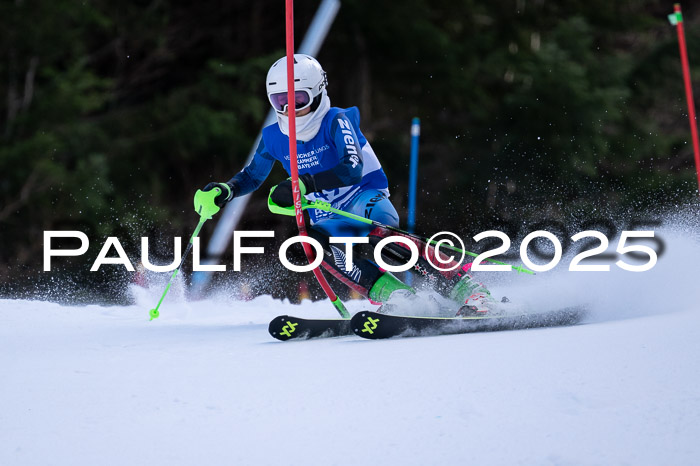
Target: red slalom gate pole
(291, 111)
(676, 18)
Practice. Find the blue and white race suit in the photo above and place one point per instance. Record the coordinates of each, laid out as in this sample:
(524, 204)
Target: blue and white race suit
(345, 170)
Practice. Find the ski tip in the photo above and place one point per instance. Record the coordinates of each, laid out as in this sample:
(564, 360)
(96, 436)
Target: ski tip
(282, 327)
(364, 324)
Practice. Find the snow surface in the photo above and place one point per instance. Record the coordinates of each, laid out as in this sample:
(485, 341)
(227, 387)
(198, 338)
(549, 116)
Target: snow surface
(206, 384)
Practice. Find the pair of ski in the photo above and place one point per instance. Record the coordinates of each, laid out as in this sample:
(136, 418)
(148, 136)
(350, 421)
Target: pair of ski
(372, 325)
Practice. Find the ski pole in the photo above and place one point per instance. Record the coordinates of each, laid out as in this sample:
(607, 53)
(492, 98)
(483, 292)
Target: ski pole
(204, 205)
(326, 206)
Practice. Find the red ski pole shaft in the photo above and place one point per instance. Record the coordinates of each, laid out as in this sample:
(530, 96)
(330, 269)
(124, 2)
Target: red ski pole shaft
(688, 87)
(299, 212)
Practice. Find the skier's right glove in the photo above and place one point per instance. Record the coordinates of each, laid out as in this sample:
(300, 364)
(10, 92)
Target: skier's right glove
(227, 192)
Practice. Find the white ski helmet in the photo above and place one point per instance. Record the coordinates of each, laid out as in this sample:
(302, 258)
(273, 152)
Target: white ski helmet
(309, 83)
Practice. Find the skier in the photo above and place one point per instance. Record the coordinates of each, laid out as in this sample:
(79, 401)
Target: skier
(336, 164)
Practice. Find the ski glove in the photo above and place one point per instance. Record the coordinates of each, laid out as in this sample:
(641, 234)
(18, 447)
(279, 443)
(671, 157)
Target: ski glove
(282, 193)
(227, 192)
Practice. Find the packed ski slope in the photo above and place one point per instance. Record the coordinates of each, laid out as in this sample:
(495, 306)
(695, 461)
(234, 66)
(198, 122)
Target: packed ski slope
(206, 384)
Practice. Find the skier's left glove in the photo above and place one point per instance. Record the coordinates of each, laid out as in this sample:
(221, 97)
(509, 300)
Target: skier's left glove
(282, 193)
(228, 192)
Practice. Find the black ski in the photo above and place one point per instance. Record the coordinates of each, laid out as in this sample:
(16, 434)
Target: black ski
(373, 325)
(287, 327)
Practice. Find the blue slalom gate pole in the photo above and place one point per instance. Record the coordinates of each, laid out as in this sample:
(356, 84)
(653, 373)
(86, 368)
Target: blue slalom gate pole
(412, 182)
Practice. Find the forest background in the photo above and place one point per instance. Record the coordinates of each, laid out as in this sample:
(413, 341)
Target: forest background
(113, 113)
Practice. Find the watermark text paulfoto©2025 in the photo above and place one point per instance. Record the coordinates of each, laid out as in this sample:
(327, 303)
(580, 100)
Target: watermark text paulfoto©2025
(444, 242)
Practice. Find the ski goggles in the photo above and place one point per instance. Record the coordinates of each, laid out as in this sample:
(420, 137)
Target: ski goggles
(279, 101)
